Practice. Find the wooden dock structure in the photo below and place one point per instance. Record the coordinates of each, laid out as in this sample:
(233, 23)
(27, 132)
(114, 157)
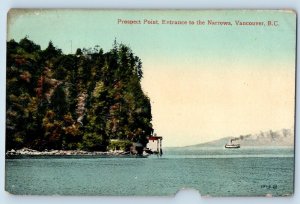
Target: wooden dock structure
(158, 139)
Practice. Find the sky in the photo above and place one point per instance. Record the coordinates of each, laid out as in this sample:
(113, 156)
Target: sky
(204, 82)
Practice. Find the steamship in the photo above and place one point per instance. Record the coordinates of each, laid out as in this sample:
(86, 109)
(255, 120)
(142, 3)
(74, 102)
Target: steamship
(231, 145)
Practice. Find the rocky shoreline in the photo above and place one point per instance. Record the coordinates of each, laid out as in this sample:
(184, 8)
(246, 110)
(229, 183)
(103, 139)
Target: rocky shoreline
(32, 152)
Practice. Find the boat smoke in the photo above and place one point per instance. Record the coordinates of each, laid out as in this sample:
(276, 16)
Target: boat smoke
(241, 137)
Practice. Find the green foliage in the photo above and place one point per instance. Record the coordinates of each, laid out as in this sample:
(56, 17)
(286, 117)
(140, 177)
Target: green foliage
(123, 145)
(75, 101)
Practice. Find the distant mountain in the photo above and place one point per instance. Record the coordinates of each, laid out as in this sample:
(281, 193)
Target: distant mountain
(283, 137)
(214, 143)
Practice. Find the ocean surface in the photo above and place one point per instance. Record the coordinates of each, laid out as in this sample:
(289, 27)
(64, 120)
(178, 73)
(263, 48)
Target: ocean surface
(212, 171)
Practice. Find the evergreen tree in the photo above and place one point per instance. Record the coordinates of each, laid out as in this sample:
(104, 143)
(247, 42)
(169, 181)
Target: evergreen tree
(75, 101)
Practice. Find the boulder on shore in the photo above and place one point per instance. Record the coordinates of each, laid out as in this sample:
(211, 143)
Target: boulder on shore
(29, 152)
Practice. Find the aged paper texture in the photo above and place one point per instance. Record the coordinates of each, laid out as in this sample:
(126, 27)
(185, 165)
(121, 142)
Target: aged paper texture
(146, 102)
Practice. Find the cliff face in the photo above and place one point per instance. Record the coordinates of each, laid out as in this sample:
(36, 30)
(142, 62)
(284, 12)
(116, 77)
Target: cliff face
(74, 101)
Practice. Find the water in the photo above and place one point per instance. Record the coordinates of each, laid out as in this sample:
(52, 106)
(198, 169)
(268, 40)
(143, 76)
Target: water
(212, 171)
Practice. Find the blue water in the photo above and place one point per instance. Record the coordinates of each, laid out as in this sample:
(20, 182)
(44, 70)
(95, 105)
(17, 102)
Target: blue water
(212, 171)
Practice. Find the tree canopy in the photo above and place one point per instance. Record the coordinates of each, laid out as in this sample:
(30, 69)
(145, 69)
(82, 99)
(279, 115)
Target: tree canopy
(74, 101)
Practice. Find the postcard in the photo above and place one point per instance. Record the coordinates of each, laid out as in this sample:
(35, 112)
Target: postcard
(147, 102)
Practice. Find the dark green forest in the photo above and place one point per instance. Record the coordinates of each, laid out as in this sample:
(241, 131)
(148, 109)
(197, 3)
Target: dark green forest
(74, 101)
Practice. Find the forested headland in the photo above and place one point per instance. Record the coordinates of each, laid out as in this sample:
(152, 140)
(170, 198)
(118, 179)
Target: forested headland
(76, 101)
